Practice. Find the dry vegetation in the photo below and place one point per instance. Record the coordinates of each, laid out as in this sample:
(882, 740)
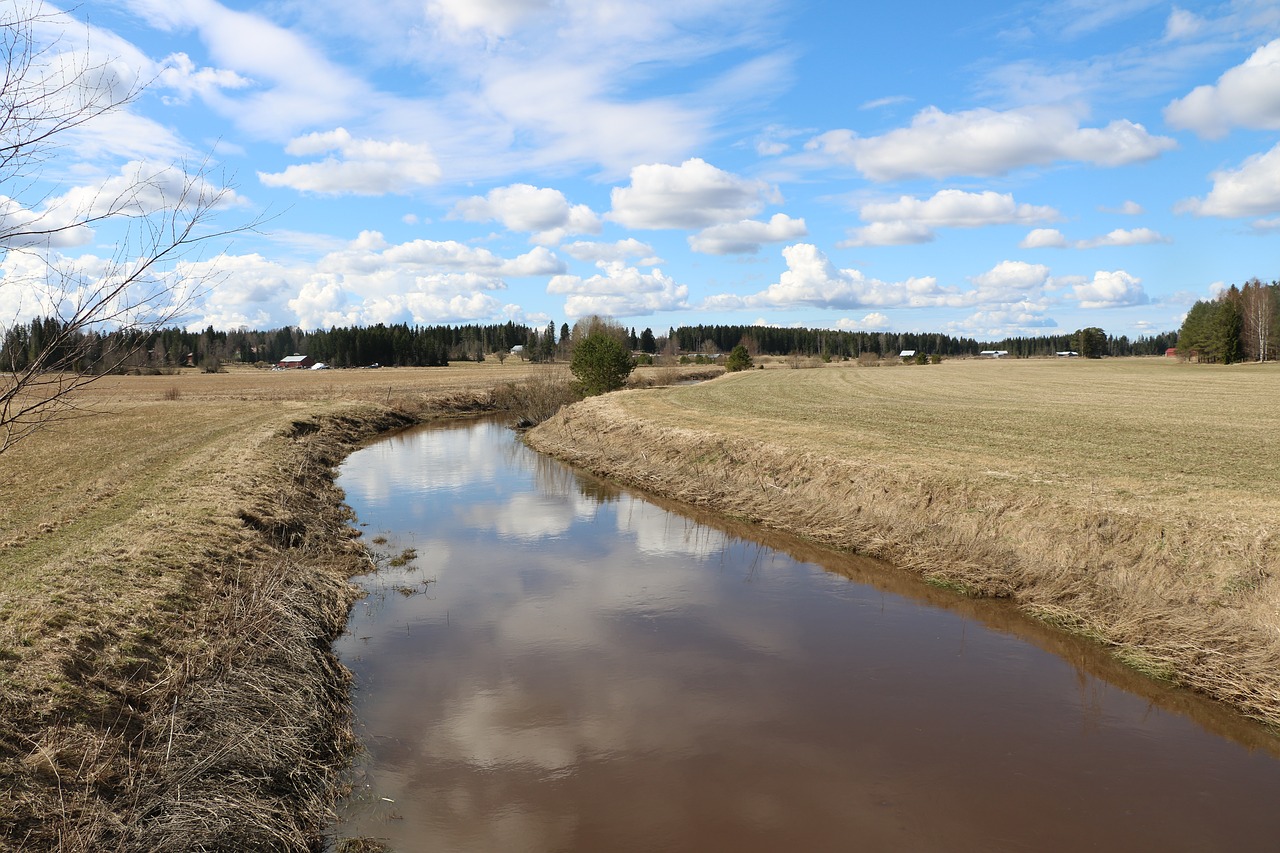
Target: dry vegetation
(173, 565)
(1133, 501)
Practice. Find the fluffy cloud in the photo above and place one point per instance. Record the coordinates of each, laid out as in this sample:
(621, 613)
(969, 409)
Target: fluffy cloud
(139, 190)
(1052, 238)
(1022, 318)
(545, 213)
(367, 281)
(694, 194)
(1129, 208)
(873, 322)
(889, 234)
(1009, 281)
(621, 250)
(812, 280)
(619, 291)
(913, 220)
(361, 167)
(745, 237)
(182, 76)
(1245, 96)
(369, 254)
(987, 142)
(1253, 189)
(1044, 238)
(1114, 289)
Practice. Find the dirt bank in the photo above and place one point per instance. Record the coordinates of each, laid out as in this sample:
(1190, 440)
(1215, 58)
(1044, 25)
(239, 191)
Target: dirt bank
(207, 712)
(1168, 591)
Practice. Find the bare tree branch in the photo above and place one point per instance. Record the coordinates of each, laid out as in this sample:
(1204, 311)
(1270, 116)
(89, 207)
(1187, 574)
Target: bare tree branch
(95, 313)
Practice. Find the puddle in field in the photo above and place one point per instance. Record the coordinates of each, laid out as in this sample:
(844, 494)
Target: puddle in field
(566, 666)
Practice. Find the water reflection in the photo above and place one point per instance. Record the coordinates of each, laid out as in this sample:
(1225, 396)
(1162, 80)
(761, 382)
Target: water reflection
(590, 671)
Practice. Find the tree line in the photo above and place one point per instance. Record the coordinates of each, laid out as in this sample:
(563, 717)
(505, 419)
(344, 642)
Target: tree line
(1240, 324)
(768, 340)
(401, 344)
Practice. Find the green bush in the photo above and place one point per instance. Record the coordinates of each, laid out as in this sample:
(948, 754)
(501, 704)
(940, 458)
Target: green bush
(739, 359)
(601, 363)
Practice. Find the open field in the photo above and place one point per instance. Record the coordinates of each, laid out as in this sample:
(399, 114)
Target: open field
(1133, 500)
(172, 566)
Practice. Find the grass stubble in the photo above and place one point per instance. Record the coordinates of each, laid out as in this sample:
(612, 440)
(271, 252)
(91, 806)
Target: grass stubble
(174, 566)
(1132, 501)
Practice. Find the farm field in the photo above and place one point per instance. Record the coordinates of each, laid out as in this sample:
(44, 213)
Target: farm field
(156, 555)
(1131, 500)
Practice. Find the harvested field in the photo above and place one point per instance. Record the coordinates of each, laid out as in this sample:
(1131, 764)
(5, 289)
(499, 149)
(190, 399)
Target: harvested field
(1133, 501)
(173, 565)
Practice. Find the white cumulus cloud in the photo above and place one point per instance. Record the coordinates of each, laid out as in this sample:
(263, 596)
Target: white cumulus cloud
(1111, 289)
(630, 249)
(812, 280)
(1052, 238)
(694, 194)
(619, 291)
(356, 166)
(545, 213)
(745, 237)
(1245, 96)
(987, 142)
(1252, 189)
(913, 220)
(1044, 238)
(873, 322)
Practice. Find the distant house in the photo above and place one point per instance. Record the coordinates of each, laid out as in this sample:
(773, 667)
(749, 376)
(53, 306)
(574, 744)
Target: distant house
(1067, 354)
(518, 349)
(295, 362)
(1171, 352)
(993, 353)
(907, 353)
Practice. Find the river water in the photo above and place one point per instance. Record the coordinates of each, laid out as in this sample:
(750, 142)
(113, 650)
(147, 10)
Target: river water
(567, 666)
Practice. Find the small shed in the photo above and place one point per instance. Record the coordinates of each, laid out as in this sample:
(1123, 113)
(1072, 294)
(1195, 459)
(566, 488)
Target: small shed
(295, 362)
(1171, 352)
(907, 353)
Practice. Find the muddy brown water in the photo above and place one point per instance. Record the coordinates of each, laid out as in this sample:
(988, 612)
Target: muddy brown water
(568, 666)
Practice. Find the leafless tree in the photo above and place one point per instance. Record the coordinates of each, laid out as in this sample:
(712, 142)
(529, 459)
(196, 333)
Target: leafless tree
(1257, 308)
(156, 216)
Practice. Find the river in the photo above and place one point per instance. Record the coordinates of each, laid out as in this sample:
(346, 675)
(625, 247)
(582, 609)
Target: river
(564, 665)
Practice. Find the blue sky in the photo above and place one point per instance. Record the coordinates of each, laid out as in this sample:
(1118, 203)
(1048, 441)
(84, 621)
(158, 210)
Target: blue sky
(981, 169)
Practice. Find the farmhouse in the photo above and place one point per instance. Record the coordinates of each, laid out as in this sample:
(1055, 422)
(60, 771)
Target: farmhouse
(993, 353)
(295, 362)
(907, 353)
(1067, 354)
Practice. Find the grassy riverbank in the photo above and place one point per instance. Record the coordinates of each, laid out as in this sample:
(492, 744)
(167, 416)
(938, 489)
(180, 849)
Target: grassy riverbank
(1133, 501)
(173, 566)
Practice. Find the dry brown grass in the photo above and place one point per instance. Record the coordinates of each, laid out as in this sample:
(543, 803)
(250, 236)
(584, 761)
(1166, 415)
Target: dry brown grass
(1130, 500)
(172, 567)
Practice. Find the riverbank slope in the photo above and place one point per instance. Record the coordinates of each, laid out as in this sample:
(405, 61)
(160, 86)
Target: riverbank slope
(1133, 501)
(173, 567)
